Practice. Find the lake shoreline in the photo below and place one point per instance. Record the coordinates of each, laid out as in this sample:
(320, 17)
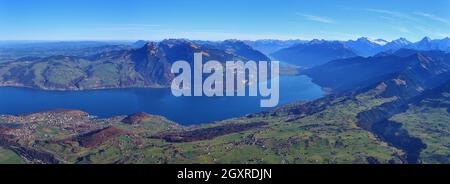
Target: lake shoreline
(105, 103)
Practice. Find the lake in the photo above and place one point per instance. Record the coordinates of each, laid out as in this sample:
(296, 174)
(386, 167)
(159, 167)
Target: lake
(183, 110)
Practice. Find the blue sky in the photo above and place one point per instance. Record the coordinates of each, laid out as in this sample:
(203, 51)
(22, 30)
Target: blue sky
(222, 19)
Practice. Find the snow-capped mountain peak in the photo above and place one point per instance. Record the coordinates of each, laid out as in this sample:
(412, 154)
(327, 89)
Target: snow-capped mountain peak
(401, 41)
(380, 42)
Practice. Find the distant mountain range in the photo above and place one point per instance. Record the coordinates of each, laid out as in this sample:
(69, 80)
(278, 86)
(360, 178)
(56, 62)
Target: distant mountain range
(369, 47)
(270, 46)
(429, 44)
(313, 53)
(317, 52)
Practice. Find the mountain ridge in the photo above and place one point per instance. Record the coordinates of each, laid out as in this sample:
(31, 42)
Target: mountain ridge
(148, 66)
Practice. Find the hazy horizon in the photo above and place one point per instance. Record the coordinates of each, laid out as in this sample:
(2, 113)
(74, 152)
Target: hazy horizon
(134, 40)
(84, 20)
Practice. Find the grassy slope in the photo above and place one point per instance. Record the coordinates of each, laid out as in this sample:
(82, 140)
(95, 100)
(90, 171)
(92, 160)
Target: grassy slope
(431, 124)
(9, 157)
(329, 136)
